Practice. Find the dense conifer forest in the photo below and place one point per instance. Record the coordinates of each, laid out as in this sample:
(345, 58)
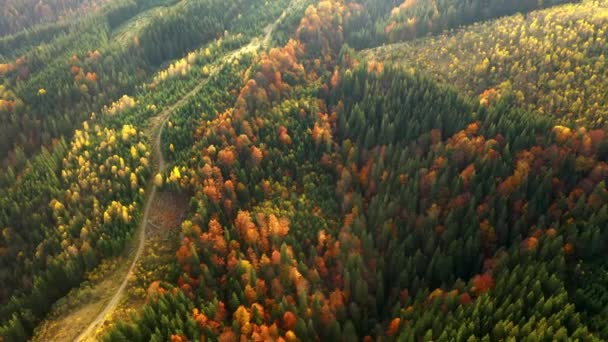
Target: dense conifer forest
(303, 170)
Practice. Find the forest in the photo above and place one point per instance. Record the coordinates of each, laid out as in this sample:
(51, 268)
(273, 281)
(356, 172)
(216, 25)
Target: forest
(301, 170)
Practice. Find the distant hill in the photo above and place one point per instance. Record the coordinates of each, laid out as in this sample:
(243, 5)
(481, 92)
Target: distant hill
(17, 15)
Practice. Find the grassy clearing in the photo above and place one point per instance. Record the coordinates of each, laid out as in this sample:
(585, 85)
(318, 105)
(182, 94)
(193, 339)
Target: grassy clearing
(74, 312)
(162, 240)
(125, 33)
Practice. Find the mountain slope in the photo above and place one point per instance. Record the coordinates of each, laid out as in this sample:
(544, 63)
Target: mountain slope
(342, 200)
(552, 61)
(448, 188)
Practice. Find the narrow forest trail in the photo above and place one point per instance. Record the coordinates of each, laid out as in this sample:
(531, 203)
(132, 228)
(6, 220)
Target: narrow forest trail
(156, 126)
(154, 131)
(157, 123)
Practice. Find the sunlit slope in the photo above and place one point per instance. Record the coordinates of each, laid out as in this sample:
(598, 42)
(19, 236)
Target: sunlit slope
(53, 207)
(553, 61)
(50, 88)
(416, 18)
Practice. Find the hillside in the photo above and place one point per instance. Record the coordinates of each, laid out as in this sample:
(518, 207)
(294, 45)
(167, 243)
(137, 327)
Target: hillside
(332, 191)
(417, 18)
(213, 170)
(86, 192)
(552, 61)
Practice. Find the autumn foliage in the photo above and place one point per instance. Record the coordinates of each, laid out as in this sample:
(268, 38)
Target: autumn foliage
(335, 199)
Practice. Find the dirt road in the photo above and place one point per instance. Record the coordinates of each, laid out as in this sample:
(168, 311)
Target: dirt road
(157, 125)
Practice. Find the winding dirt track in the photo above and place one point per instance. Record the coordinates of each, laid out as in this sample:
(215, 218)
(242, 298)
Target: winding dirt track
(151, 191)
(157, 125)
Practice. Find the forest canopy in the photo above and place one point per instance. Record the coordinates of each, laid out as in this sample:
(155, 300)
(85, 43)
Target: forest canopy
(317, 170)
